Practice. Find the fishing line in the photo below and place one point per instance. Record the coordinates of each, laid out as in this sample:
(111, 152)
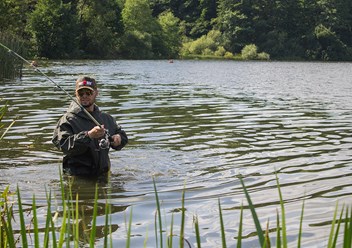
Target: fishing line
(103, 143)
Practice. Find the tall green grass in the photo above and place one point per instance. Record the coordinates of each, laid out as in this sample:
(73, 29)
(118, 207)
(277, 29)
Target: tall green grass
(11, 67)
(64, 228)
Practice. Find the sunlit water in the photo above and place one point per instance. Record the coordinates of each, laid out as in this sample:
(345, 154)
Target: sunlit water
(196, 125)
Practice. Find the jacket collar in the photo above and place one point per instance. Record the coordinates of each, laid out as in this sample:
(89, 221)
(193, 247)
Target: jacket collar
(75, 109)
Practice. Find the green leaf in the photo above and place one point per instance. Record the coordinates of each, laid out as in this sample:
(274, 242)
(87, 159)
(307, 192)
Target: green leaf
(196, 227)
(159, 217)
(254, 214)
(23, 224)
(94, 221)
(300, 227)
(240, 227)
(283, 215)
(222, 227)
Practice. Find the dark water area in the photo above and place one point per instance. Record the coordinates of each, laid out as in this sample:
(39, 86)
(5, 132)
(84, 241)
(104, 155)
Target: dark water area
(196, 125)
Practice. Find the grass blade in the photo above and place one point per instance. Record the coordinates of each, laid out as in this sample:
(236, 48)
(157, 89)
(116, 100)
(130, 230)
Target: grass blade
(196, 227)
(128, 242)
(156, 229)
(94, 220)
(146, 238)
(8, 227)
(223, 237)
(63, 229)
(300, 227)
(69, 205)
(240, 226)
(346, 229)
(283, 215)
(48, 220)
(110, 228)
(22, 222)
(171, 231)
(267, 238)
(278, 230)
(106, 226)
(159, 217)
(254, 214)
(35, 223)
(348, 240)
(338, 228)
(7, 129)
(53, 234)
(76, 236)
(182, 231)
(331, 236)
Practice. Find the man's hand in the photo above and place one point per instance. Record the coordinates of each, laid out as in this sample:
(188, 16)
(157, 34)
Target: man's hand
(116, 140)
(96, 132)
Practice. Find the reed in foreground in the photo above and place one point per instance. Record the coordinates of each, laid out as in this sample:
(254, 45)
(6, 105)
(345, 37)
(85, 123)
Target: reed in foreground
(64, 228)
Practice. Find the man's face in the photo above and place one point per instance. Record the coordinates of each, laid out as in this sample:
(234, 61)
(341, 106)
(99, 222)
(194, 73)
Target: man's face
(86, 97)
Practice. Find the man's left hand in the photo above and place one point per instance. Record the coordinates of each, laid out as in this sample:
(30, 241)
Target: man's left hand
(116, 140)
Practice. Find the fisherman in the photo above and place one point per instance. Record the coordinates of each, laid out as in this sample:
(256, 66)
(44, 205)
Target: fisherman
(85, 144)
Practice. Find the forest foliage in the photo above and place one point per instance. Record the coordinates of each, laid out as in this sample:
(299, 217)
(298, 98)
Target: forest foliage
(155, 29)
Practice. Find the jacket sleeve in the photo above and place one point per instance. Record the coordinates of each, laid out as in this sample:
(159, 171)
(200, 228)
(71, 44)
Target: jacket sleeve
(68, 142)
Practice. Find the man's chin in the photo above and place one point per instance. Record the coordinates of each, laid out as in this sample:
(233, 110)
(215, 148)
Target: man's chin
(86, 105)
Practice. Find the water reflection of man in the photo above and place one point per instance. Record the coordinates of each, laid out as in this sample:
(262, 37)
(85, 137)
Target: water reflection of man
(78, 137)
(85, 190)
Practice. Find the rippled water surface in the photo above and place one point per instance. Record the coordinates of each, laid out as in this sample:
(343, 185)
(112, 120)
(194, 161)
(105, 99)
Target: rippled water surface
(196, 125)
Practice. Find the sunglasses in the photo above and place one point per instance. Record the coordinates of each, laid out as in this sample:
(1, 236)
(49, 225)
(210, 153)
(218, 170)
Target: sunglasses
(83, 92)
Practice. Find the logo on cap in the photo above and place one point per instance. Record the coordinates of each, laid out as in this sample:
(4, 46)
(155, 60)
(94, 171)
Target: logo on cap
(86, 83)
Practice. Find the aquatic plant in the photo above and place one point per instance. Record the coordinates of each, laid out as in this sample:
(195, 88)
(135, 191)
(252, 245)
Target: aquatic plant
(10, 67)
(64, 228)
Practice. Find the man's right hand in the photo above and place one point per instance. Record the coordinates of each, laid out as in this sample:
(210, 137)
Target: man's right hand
(96, 132)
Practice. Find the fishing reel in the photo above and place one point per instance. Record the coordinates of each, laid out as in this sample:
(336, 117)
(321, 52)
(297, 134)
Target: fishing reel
(105, 142)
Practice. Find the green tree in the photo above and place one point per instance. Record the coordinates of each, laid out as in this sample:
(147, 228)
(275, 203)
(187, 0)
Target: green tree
(207, 12)
(344, 22)
(100, 27)
(282, 36)
(160, 6)
(196, 15)
(13, 17)
(143, 34)
(235, 21)
(331, 47)
(171, 33)
(332, 31)
(54, 30)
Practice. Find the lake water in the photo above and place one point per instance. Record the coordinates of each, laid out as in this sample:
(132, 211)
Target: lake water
(196, 125)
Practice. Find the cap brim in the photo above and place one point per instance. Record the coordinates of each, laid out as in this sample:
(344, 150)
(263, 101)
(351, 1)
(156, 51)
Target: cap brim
(85, 87)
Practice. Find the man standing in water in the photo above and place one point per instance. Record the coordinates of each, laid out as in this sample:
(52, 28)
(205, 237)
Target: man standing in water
(84, 144)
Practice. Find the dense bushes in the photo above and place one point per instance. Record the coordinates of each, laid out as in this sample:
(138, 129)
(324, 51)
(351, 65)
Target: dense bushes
(207, 45)
(249, 52)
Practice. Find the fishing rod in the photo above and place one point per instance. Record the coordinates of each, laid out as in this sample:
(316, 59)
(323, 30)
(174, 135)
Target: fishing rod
(103, 143)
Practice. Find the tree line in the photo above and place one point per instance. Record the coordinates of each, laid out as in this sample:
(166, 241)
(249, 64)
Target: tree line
(155, 29)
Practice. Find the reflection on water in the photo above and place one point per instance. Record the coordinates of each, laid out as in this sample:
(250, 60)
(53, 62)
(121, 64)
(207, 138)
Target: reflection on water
(198, 125)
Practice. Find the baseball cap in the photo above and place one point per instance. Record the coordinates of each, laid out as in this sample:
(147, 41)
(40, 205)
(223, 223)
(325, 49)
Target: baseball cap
(86, 83)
